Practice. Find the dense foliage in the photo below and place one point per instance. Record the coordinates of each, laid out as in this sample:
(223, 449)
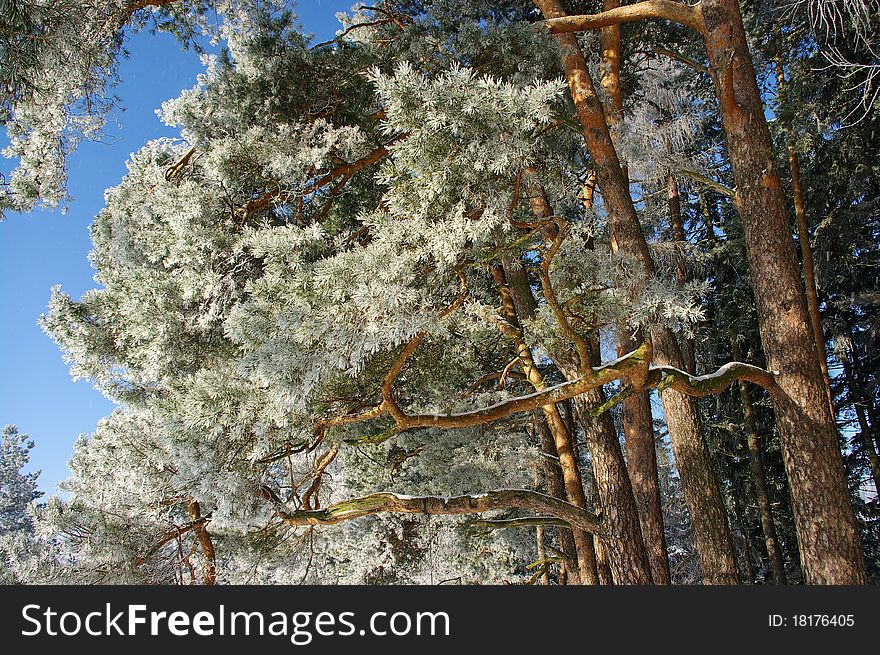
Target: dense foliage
(382, 266)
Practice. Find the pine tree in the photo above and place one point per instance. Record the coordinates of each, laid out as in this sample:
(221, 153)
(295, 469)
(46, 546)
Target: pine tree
(381, 277)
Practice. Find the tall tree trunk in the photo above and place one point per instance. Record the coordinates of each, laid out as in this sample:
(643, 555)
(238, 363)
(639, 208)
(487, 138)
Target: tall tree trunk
(603, 561)
(699, 482)
(566, 448)
(641, 457)
(638, 420)
(744, 537)
(829, 541)
(609, 46)
(556, 488)
(626, 554)
(759, 477)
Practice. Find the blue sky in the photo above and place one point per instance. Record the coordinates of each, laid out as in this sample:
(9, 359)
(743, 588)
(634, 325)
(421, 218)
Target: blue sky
(44, 248)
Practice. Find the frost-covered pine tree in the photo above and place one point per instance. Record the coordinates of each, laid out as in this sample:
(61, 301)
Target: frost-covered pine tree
(18, 490)
(353, 316)
(288, 289)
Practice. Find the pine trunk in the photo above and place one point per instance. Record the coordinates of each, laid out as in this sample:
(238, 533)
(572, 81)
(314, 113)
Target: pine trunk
(556, 488)
(829, 541)
(625, 553)
(641, 456)
(699, 483)
(566, 449)
(638, 420)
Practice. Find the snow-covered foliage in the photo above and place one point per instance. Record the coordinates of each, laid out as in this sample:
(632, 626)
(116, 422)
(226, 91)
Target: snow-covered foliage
(259, 276)
(58, 63)
(18, 491)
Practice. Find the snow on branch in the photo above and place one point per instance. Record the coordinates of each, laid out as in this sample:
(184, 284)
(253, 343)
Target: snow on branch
(634, 367)
(472, 504)
(676, 12)
(667, 377)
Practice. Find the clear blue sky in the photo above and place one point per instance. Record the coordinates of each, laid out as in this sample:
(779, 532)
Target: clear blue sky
(46, 248)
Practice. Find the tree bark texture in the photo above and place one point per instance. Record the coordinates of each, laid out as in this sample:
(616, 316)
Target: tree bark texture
(831, 552)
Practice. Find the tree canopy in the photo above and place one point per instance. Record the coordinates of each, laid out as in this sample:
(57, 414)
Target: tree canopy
(476, 291)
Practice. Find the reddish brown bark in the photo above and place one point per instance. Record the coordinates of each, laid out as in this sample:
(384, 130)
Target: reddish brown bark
(203, 537)
(627, 557)
(641, 456)
(603, 562)
(626, 552)
(566, 449)
(638, 420)
(609, 46)
(827, 533)
(699, 482)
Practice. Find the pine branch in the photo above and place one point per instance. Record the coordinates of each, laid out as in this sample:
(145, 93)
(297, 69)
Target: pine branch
(699, 386)
(386, 502)
(688, 15)
(717, 187)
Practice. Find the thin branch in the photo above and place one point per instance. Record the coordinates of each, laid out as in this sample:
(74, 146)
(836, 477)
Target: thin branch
(717, 187)
(345, 171)
(312, 492)
(687, 61)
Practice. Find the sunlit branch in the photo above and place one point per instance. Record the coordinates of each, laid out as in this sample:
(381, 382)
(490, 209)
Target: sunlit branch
(688, 15)
(435, 505)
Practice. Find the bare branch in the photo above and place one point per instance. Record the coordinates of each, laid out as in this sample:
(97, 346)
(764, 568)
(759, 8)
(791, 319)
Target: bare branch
(493, 500)
(717, 187)
(688, 15)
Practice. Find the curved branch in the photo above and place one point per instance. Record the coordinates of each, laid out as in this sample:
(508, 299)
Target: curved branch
(698, 386)
(676, 12)
(388, 402)
(493, 500)
(632, 366)
(312, 492)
